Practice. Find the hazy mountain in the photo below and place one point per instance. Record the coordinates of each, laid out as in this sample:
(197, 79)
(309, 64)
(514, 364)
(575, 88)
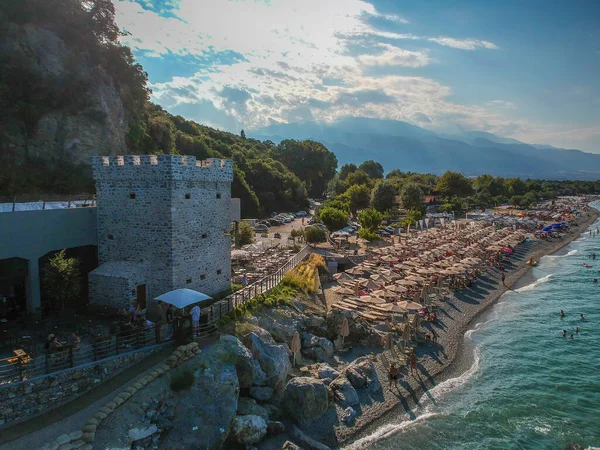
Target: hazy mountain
(399, 145)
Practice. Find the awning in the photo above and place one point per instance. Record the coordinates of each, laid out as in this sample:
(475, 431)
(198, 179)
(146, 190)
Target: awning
(180, 298)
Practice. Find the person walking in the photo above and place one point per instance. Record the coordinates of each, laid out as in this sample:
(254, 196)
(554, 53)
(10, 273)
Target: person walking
(393, 375)
(195, 313)
(413, 362)
(244, 281)
(503, 278)
(169, 319)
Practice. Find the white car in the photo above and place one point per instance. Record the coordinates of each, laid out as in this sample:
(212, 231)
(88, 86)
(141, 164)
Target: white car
(301, 214)
(261, 228)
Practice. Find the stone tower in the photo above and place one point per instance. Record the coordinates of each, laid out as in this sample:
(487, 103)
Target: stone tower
(163, 224)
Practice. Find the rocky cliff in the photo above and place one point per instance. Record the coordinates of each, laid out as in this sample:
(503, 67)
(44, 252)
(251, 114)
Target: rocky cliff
(56, 102)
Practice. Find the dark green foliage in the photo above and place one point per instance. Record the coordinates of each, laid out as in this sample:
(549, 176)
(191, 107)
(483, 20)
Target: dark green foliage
(383, 196)
(359, 197)
(245, 234)
(372, 168)
(182, 380)
(333, 218)
(411, 195)
(454, 183)
(61, 280)
(314, 235)
(370, 219)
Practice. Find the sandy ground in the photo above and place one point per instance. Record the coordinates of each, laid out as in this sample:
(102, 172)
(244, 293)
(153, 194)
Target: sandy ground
(438, 362)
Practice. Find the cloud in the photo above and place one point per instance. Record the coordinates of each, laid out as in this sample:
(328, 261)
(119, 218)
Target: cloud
(310, 60)
(463, 44)
(502, 104)
(395, 56)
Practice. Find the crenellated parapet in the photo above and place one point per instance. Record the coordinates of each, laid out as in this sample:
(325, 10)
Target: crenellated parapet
(161, 168)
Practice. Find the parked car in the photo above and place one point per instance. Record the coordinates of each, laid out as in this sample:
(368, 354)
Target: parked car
(261, 228)
(382, 232)
(274, 222)
(311, 221)
(264, 222)
(390, 230)
(301, 214)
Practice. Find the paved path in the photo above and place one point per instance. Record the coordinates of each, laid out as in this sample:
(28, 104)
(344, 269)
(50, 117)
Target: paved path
(34, 433)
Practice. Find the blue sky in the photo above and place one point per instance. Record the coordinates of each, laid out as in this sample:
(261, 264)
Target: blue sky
(528, 70)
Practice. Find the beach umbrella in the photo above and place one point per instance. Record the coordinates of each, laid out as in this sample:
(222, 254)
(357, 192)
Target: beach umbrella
(389, 258)
(355, 271)
(180, 298)
(370, 299)
(391, 307)
(406, 282)
(342, 275)
(397, 288)
(410, 306)
(388, 341)
(344, 329)
(342, 290)
(406, 332)
(383, 293)
(415, 278)
(379, 278)
(370, 284)
(295, 345)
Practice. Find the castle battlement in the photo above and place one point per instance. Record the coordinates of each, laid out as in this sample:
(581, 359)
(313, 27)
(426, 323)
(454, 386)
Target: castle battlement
(161, 167)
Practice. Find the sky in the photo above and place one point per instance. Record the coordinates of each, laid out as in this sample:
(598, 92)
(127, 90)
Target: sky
(529, 70)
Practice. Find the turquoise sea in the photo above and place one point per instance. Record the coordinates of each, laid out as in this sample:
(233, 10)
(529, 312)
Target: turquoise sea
(528, 387)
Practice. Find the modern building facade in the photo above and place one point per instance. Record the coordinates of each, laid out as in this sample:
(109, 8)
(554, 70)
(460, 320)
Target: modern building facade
(163, 223)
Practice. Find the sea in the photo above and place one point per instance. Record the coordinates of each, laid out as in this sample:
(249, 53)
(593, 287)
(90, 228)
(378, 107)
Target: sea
(528, 387)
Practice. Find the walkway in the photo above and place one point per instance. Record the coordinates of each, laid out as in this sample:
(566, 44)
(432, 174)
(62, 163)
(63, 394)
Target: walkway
(46, 427)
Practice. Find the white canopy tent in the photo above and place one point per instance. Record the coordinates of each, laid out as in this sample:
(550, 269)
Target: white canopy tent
(180, 298)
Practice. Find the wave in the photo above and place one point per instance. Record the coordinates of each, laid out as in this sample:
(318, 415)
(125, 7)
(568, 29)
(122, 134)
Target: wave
(434, 393)
(536, 283)
(571, 253)
(388, 430)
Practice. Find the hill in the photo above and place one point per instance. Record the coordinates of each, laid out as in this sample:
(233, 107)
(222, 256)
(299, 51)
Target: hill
(70, 90)
(398, 144)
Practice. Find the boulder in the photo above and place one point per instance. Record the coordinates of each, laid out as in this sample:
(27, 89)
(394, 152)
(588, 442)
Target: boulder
(138, 433)
(249, 407)
(306, 398)
(261, 393)
(275, 427)
(326, 372)
(315, 321)
(231, 350)
(362, 373)
(316, 347)
(273, 360)
(274, 411)
(279, 330)
(203, 414)
(248, 430)
(343, 392)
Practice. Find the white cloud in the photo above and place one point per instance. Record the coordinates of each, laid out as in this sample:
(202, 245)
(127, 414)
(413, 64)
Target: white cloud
(395, 56)
(463, 44)
(502, 104)
(297, 65)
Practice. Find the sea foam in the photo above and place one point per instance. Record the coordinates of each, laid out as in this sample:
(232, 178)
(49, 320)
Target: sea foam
(536, 283)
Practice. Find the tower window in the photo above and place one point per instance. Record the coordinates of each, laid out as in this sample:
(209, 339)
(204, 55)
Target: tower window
(110, 237)
(132, 196)
(204, 235)
(219, 272)
(188, 196)
(218, 195)
(188, 281)
(202, 277)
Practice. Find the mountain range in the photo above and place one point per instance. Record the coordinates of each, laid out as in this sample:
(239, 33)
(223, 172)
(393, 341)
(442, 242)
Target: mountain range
(400, 145)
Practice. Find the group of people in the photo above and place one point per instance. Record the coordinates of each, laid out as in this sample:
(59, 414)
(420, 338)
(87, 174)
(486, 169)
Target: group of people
(564, 332)
(394, 372)
(53, 345)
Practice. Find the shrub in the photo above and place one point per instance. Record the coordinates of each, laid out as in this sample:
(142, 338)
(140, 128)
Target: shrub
(370, 219)
(314, 234)
(245, 234)
(367, 234)
(333, 218)
(182, 380)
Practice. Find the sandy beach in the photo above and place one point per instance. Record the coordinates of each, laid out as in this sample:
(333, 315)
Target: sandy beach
(439, 362)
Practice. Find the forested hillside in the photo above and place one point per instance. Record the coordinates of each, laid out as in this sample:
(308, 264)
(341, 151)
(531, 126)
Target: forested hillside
(70, 90)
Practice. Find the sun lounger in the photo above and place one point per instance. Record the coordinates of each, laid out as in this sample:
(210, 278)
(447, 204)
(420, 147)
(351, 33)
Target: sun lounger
(338, 306)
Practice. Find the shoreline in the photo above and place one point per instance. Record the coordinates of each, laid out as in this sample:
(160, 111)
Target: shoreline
(458, 361)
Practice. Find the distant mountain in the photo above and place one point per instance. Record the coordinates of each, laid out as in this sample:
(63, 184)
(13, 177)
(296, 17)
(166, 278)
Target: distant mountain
(399, 145)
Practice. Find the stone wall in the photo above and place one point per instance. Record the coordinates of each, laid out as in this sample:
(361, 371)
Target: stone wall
(171, 213)
(19, 401)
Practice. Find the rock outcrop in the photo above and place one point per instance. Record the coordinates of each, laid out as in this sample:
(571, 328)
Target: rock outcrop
(248, 430)
(344, 392)
(315, 347)
(230, 349)
(273, 360)
(306, 398)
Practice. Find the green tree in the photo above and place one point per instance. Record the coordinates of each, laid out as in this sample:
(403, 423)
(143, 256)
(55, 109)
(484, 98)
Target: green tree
(358, 177)
(333, 218)
(411, 196)
(313, 235)
(243, 134)
(367, 234)
(413, 216)
(370, 219)
(359, 196)
(516, 200)
(454, 183)
(372, 168)
(245, 234)
(310, 161)
(383, 196)
(346, 170)
(61, 280)
(340, 203)
(514, 186)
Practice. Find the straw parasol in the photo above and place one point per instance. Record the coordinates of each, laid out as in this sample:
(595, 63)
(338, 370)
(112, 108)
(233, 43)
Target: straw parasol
(344, 329)
(410, 306)
(295, 345)
(392, 307)
(370, 284)
(343, 276)
(406, 282)
(396, 288)
(342, 290)
(369, 299)
(383, 293)
(355, 271)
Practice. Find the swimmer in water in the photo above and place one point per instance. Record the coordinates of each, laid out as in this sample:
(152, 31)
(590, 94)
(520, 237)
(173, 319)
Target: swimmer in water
(562, 313)
(595, 280)
(564, 333)
(571, 337)
(576, 329)
(581, 317)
